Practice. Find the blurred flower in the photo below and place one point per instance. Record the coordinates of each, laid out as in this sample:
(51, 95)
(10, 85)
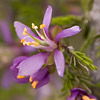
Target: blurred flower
(8, 52)
(80, 94)
(47, 41)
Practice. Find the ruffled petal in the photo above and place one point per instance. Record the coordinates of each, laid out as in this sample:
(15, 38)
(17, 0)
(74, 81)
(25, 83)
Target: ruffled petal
(68, 32)
(19, 27)
(47, 18)
(60, 62)
(32, 64)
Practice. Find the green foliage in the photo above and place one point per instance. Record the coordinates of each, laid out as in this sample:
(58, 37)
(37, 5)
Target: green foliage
(16, 91)
(87, 5)
(84, 60)
(76, 71)
(66, 21)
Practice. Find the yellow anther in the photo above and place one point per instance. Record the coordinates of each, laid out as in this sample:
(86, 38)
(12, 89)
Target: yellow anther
(35, 43)
(24, 43)
(23, 40)
(87, 98)
(33, 25)
(25, 31)
(30, 79)
(42, 26)
(34, 84)
(20, 77)
(29, 43)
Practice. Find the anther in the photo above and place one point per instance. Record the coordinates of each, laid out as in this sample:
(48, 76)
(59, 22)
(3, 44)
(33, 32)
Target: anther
(20, 77)
(23, 40)
(25, 31)
(34, 27)
(34, 84)
(29, 43)
(42, 26)
(30, 79)
(35, 43)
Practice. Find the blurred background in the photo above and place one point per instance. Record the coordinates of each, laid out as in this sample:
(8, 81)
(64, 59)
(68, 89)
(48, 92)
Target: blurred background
(27, 12)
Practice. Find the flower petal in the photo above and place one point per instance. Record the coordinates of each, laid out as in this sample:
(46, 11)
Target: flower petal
(47, 18)
(17, 61)
(43, 82)
(38, 76)
(60, 62)
(23, 80)
(19, 27)
(28, 49)
(92, 97)
(68, 32)
(73, 96)
(6, 32)
(32, 64)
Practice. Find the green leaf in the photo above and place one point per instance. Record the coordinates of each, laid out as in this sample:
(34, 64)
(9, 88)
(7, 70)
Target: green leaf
(84, 60)
(67, 20)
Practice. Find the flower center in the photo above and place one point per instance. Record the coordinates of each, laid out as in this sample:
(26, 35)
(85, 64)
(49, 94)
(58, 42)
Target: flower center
(43, 41)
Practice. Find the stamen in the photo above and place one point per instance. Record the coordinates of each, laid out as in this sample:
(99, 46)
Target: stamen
(23, 40)
(24, 43)
(25, 31)
(87, 98)
(35, 43)
(30, 79)
(42, 26)
(34, 84)
(29, 43)
(34, 27)
(20, 77)
(45, 34)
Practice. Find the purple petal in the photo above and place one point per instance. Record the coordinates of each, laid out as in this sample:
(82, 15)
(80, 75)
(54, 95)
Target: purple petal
(19, 27)
(43, 82)
(47, 18)
(5, 31)
(78, 89)
(92, 97)
(17, 61)
(60, 62)
(40, 74)
(68, 32)
(23, 80)
(7, 79)
(32, 64)
(28, 49)
(73, 96)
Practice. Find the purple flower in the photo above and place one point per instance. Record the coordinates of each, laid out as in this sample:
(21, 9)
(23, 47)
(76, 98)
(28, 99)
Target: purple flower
(7, 79)
(80, 94)
(45, 40)
(37, 80)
